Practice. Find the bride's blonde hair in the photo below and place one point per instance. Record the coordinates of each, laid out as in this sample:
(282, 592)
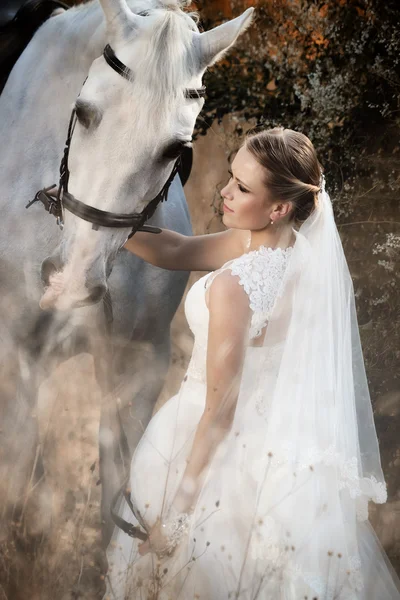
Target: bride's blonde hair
(292, 169)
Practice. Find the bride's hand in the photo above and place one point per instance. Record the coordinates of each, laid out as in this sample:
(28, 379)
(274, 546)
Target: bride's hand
(156, 541)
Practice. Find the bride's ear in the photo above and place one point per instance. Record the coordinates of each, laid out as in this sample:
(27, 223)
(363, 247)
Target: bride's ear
(284, 208)
(288, 207)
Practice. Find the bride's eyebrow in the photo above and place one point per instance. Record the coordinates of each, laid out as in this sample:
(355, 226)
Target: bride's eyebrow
(242, 182)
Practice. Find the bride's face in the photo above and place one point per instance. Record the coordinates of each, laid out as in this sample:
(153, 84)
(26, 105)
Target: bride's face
(246, 203)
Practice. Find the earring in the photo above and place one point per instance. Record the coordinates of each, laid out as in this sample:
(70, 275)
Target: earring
(272, 222)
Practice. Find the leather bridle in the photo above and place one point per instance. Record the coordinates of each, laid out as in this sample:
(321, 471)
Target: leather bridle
(56, 205)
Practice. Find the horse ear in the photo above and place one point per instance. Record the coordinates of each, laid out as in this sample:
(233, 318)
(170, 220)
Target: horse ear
(213, 44)
(120, 20)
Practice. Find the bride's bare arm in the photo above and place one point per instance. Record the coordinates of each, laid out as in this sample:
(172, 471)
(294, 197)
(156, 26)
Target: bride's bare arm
(227, 337)
(177, 252)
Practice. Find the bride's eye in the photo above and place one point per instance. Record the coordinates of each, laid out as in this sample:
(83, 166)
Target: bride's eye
(241, 188)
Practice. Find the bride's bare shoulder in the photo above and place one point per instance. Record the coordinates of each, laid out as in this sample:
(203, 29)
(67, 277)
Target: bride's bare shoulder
(229, 309)
(225, 292)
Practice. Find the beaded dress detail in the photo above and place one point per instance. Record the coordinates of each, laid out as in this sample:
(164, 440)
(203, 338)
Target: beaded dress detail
(260, 272)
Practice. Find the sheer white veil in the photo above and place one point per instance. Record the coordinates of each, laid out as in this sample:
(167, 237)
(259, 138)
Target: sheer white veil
(309, 375)
(282, 510)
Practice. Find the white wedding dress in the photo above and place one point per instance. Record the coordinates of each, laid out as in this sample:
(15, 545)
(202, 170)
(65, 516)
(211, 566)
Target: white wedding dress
(251, 536)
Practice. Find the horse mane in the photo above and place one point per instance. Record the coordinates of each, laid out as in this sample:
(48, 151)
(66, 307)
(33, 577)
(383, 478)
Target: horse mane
(167, 59)
(17, 33)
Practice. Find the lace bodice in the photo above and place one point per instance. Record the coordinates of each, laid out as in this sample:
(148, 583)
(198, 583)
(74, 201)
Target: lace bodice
(260, 273)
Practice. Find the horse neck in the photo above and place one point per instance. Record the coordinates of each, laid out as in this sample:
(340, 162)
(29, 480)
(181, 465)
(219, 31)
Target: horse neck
(36, 102)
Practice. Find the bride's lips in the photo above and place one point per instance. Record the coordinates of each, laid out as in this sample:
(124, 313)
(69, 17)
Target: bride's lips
(227, 209)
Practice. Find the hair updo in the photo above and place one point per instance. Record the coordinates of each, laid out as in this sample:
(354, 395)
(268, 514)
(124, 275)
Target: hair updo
(293, 172)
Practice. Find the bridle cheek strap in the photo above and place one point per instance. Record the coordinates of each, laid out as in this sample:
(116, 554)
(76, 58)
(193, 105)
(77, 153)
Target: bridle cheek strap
(101, 218)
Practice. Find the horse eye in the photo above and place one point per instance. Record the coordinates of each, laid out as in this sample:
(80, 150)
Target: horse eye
(175, 149)
(88, 114)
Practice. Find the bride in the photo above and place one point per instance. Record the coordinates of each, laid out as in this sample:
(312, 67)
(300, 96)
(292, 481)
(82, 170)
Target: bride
(253, 481)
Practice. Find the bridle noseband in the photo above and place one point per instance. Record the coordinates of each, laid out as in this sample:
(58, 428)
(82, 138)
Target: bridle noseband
(55, 205)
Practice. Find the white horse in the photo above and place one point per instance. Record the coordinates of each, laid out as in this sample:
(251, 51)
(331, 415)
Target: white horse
(127, 137)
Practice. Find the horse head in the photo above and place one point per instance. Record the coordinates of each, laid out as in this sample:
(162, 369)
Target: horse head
(129, 132)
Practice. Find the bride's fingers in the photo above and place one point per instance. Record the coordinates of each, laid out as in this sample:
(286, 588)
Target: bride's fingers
(144, 548)
(56, 281)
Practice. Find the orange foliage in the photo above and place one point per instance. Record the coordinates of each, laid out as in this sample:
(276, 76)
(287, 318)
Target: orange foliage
(271, 86)
(319, 39)
(323, 11)
(309, 43)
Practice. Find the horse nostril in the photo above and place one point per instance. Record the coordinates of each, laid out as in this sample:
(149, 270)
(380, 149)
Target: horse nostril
(96, 294)
(49, 266)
